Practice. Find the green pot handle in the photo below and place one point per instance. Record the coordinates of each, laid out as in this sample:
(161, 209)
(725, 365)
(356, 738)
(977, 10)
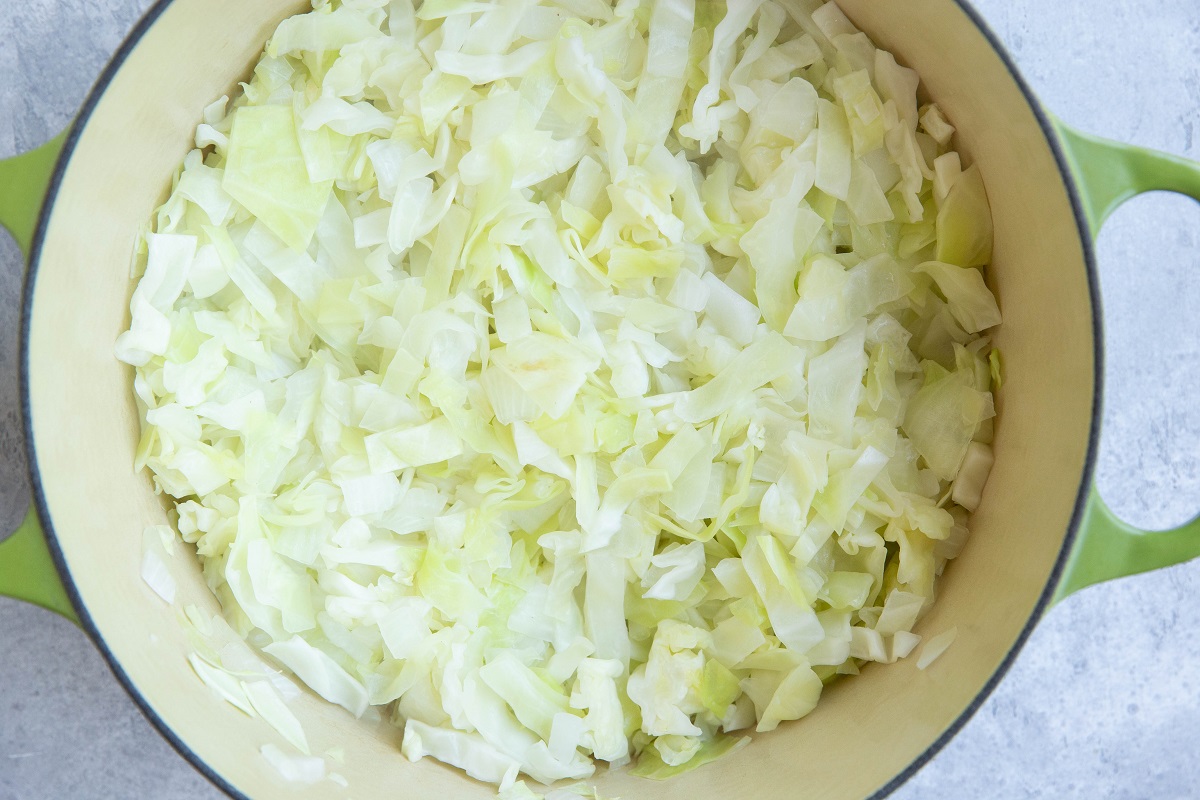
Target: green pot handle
(23, 183)
(1107, 174)
(27, 571)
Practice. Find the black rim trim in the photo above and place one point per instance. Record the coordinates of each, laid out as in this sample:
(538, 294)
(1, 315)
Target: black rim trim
(39, 498)
(89, 106)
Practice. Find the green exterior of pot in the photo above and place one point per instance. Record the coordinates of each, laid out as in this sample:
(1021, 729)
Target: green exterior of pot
(27, 571)
(1106, 174)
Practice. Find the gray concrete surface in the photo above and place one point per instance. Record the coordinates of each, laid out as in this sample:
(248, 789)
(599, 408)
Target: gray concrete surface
(1104, 702)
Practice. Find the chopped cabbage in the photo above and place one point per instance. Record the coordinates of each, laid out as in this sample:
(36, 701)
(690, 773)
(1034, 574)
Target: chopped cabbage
(157, 540)
(935, 647)
(305, 770)
(274, 710)
(579, 380)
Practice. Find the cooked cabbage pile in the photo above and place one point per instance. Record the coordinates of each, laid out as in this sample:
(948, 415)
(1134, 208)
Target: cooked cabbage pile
(582, 381)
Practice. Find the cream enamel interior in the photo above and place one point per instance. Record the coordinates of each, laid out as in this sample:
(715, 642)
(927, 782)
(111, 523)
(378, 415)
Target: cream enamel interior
(866, 730)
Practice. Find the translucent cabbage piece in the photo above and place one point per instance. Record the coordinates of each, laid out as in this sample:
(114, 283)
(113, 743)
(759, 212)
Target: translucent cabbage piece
(652, 766)
(321, 673)
(304, 770)
(942, 420)
(964, 222)
(265, 172)
(935, 647)
(969, 299)
(271, 707)
(565, 380)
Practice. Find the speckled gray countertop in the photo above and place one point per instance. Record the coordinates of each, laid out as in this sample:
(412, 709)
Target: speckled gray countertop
(1104, 701)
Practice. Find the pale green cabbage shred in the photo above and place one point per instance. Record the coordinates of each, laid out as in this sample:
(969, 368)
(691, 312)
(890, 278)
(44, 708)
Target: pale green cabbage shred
(582, 381)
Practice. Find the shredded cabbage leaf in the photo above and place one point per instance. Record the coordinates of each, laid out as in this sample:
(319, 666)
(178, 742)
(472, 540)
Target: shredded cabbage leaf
(574, 381)
(304, 770)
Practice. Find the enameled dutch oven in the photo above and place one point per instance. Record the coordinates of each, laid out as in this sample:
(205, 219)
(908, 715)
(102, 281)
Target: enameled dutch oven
(75, 206)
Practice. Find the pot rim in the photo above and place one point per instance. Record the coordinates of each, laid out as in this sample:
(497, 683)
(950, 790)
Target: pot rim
(97, 92)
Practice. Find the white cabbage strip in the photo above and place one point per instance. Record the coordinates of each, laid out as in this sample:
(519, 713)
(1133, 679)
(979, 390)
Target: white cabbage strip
(579, 380)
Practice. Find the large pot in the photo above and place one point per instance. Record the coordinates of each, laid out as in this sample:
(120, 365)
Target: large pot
(1040, 533)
